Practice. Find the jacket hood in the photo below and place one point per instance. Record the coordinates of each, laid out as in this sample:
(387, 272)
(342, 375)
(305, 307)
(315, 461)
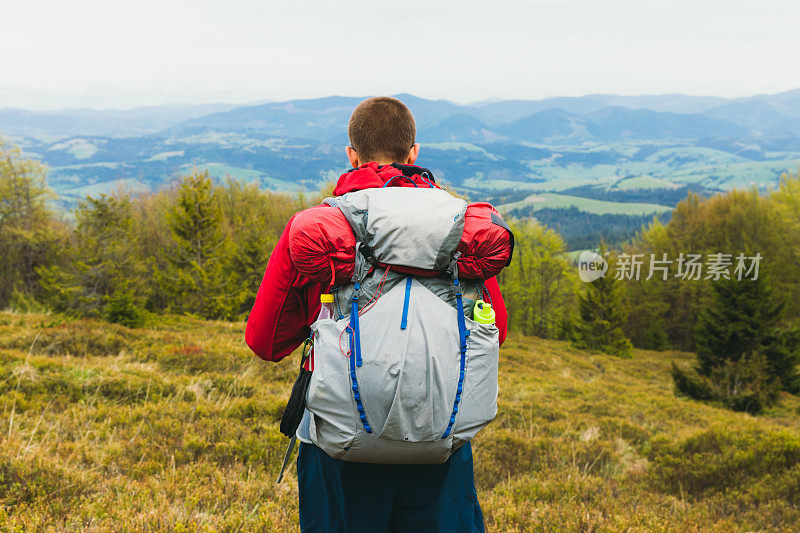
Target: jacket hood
(373, 175)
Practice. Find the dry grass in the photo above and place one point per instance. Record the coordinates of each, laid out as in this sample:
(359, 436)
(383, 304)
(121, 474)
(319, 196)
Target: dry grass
(175, 427)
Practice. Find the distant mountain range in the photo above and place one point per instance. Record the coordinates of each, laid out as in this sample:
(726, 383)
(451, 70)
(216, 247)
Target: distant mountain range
(604, 155)
(600, 118)
(105, 123)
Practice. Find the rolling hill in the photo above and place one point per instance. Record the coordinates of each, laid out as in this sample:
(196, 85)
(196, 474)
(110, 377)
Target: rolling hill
(175, 426)
(488, 149)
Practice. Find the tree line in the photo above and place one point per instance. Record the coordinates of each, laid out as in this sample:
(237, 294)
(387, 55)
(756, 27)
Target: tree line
(195, 248)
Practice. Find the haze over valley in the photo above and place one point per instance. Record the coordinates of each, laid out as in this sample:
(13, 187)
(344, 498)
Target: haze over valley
(632, 157)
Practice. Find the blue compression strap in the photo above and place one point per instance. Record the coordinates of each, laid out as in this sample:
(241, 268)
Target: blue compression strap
(404, 320)
(355, 358)
(462, 336)
(399, 176)
(356, 349)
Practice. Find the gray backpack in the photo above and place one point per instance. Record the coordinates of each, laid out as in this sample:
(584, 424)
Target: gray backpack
(401, 375)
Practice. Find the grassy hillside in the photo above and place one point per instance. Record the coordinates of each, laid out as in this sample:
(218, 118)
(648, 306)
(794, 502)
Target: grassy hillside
(590, 205)
(175, 427)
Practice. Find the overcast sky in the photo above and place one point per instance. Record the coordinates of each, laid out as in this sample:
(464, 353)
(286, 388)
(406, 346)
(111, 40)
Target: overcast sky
(103, 53)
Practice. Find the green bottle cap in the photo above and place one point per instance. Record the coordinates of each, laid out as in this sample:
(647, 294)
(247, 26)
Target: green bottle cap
(483, 314)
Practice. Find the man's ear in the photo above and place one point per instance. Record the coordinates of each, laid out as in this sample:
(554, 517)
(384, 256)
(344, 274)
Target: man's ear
(413, 154)
(352, 156)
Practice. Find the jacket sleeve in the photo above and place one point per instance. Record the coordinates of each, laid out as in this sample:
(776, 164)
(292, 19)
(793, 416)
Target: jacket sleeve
(499, 306)
(278, 322)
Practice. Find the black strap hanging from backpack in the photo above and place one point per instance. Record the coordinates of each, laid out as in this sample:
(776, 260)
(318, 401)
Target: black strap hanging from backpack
(296, 405)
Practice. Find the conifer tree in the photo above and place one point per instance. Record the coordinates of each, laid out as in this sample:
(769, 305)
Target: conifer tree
(253, 219)
(197, 260)
(101, 263)
(742, 346)
(602, 315)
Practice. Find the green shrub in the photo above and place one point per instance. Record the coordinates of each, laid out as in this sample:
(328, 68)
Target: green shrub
(692, 384)
(128, 390)
(26, 481)
(718, 459)
(503, 453)
(80, 338)
(21, 302)
(121, 308)
(196, 359)
(743, 385)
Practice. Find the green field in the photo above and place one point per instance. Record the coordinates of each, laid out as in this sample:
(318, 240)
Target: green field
(175, 427)
(590, 205)
(461, 146)
(643, 182)
(79, 148)
(164, 156)
(668, 167)
(221, 171)
(738, 175)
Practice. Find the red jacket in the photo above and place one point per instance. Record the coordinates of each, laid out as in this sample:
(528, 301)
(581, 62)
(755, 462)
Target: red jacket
(287, 303)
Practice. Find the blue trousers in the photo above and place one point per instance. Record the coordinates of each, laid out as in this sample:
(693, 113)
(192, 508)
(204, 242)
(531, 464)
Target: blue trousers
(340, 496)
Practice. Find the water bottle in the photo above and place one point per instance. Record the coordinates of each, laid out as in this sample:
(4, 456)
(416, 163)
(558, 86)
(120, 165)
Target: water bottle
(484, 314)
(326, 310)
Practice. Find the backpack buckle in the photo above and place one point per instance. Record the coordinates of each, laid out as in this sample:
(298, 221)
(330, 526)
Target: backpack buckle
(452, 269)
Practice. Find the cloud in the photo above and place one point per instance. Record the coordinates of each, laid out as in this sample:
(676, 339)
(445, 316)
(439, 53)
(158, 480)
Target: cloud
(124, 54)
